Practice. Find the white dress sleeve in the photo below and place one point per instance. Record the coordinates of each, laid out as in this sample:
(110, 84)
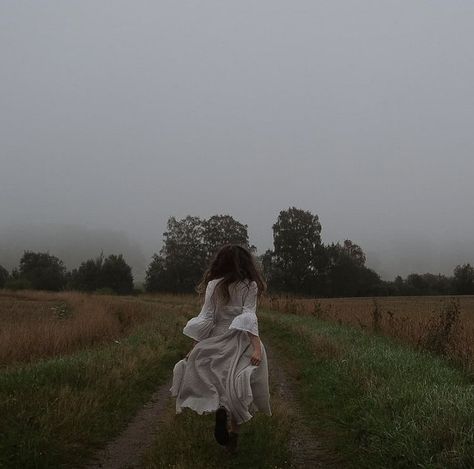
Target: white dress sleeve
(247, 320)
(199, 327)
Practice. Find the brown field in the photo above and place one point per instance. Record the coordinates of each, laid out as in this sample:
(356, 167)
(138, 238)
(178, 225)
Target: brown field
(36, 325)
(115, 351)
(442, 324)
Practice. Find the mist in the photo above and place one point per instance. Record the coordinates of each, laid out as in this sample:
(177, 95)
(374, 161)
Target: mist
(117, 115)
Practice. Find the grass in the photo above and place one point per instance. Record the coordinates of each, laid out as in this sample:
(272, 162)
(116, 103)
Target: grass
(412, 320)
(186, 440)
(368, 398)
(56, 411)
(375, 401)
(37, 325)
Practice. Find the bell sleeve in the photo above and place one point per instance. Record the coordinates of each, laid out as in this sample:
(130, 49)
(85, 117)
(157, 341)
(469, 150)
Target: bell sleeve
(199, 327)
(247, 320)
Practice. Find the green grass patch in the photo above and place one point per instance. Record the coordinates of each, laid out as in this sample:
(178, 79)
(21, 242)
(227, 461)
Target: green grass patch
(56, 412)
(375, 401)
(186, 441)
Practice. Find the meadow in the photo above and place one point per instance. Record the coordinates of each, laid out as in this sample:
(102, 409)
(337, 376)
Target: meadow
(441, 324)
(383, 382)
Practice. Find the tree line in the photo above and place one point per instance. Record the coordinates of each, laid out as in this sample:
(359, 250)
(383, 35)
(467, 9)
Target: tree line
(299, 263)
(43, 271)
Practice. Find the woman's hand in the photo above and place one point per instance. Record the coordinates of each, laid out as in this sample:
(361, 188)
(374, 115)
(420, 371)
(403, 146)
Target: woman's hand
(256, 357)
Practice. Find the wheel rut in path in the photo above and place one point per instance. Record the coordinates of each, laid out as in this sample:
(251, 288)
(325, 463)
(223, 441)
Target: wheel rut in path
(127, 449)
(305, 449)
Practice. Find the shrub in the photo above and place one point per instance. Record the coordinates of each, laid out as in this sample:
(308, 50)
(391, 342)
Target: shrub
(18, 284)
(442, 331)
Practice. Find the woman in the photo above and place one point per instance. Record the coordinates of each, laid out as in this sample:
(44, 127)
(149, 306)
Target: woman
(226, 371)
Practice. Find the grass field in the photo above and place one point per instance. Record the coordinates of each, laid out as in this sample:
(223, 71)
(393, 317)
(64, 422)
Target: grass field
(375, 401)
(63, 395)
(37, 325)
(442, 324)
(75, 368)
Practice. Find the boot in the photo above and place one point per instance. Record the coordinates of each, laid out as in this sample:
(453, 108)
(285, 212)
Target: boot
(220, 430)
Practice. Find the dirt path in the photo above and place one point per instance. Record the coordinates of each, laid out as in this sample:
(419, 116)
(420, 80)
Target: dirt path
(306, 451)
(128, 448)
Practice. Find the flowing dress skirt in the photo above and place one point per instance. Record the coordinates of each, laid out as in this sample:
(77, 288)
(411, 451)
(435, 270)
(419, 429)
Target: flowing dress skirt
(218, 372)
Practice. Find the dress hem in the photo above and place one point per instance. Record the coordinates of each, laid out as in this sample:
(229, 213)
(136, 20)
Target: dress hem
(206, 411)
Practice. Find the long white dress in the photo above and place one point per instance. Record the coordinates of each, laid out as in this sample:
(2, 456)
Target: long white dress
(218, 371)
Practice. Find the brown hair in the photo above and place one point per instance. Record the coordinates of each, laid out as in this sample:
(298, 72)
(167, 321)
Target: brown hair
(233, 262)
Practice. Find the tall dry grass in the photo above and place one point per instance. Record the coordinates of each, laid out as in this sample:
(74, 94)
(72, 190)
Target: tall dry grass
(36, 325)
(441, 324)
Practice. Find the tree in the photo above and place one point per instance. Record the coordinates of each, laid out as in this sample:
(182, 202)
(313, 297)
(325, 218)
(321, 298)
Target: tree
(94, 274)
(297, 249)
(415, 284)
(183, 253)
(88, 277)
(340, 272)
(421, 284)
(16, 282)
(223, 229)
(266, 261)
(346, 274)
(354, 251)
(188, 245)
(42, 271)
(117, 274)
(157, 277)
(398, 285)
(4, 275)
(463, 281)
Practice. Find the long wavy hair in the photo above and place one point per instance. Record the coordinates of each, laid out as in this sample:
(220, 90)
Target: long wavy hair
(234, 263)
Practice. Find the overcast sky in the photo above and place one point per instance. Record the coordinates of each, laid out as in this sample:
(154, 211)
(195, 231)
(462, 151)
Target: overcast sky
(119, 114)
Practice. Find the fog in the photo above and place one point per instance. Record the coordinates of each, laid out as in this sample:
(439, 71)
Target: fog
(116, 115)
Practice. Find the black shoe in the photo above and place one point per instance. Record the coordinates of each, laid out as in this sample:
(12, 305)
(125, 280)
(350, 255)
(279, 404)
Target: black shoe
(220, 431)
(232, 445)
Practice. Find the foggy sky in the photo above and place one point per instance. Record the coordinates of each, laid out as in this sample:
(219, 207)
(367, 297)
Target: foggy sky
(116, 115)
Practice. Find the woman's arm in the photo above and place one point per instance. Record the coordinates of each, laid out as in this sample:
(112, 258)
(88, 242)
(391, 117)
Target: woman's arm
(247, 321)
(257, 349)
(200, 326)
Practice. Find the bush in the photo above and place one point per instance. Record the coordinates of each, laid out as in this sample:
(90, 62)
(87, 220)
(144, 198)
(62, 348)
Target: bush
(442, 333)
(18, 284)
(105, 291)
